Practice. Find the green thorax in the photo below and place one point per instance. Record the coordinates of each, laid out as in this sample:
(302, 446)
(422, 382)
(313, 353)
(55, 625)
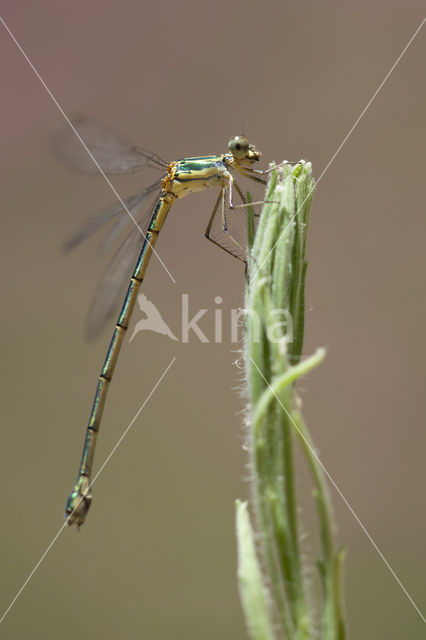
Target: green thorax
(196, 174)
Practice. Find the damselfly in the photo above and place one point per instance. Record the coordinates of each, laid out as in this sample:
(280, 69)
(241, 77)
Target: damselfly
(112, 153)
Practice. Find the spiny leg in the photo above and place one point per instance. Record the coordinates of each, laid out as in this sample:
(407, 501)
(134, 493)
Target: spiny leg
(210, 224)
(231, 206)
(243, 199)
(277, 166)
(232, 183)
(248, 173)
(224, 228)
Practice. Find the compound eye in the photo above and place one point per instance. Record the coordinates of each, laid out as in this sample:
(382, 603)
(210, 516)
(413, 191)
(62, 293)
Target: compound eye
(238, 146)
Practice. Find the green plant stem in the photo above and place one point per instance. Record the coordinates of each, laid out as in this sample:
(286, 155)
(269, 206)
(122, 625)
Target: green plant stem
(273, 352)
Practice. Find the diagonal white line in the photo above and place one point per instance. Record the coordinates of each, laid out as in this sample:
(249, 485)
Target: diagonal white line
(108, 181)
(314, 453)
(32, 572)
(50, 545)
(343, 142)
(125, 432)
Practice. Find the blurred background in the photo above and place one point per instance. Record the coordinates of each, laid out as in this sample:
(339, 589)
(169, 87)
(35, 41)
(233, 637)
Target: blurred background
(157, 556)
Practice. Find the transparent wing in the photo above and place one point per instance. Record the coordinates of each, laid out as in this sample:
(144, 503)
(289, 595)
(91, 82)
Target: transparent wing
(112, 286)
(102, 217)
(114, 153)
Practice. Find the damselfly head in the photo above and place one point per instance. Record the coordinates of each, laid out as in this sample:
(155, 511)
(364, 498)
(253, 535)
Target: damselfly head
(242, 151)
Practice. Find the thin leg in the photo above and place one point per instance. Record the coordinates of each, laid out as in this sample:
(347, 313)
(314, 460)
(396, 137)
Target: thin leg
(233, 183)
(224, 223)
(222, 199)
(210, 224)
(248, 173)
(240, 193)
(277, 166)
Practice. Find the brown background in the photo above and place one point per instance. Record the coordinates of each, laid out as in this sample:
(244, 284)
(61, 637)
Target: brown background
(157, 557)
